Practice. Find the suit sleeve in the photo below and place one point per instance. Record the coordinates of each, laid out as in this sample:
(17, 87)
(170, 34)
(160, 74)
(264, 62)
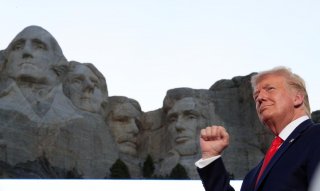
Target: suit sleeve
(215, 177)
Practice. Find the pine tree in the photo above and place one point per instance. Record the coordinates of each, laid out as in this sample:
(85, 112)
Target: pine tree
(119, 170)
(179, 172)
(148, 167)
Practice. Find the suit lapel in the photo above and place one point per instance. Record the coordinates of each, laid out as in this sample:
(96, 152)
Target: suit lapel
(294, 136)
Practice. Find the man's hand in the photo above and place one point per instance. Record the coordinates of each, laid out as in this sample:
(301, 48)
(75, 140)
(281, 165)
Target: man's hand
(213, 140)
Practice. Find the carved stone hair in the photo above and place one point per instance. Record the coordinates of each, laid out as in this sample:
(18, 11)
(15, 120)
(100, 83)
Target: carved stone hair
(113, 101)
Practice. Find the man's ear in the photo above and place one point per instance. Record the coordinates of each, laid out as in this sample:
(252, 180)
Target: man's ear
(298, 99)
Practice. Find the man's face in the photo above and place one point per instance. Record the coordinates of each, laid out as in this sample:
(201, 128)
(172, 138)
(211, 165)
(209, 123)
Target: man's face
(124, 122)
(274, 100)
(30, 55)
(183, 121)
(85, 92)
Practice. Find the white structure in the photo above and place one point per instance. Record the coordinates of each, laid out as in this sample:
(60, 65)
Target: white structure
(103, 184)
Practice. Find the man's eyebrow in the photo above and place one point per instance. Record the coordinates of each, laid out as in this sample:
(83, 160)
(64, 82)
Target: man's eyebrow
(19, 40)
(191, 111)
(170, 114)
(120, 116)
(76, 75)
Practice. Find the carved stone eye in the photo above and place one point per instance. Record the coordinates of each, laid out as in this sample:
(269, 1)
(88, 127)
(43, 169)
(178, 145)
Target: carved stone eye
(191, 116)
(76, 81)
(121, 119)
(37, 44)
(18, 45)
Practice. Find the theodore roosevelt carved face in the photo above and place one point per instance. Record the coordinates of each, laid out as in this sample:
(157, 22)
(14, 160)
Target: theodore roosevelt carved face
(124, 121)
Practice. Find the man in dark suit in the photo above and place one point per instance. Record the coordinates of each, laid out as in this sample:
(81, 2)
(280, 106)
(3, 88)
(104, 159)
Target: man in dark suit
(282, 105)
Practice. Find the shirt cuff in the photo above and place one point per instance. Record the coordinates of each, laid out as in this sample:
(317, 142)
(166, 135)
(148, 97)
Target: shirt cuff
(204, 162)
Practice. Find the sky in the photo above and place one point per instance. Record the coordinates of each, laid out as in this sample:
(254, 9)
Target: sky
(146, 47)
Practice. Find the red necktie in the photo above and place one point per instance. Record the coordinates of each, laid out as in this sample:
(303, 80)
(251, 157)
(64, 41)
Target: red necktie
(277, 141)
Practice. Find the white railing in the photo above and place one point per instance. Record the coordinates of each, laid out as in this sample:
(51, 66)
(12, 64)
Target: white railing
(104, 184)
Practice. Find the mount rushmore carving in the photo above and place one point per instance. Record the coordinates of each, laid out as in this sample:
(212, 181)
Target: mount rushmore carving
(58, 121)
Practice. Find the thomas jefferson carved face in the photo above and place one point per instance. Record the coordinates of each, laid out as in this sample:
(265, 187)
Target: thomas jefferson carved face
(183, 120)
(84, 89)
(32, 54)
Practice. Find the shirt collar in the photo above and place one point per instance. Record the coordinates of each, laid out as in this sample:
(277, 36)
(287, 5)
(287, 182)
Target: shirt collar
(284, 134)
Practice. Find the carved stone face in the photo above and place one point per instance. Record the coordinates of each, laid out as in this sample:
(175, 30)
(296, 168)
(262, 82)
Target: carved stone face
(84, 90)
(31, 55)
(124, 121)
(183, 121)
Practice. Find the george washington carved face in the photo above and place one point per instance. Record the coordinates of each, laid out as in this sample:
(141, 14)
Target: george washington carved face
(32, 55)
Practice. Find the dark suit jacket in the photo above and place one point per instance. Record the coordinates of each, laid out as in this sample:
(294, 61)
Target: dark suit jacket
(291, 168)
